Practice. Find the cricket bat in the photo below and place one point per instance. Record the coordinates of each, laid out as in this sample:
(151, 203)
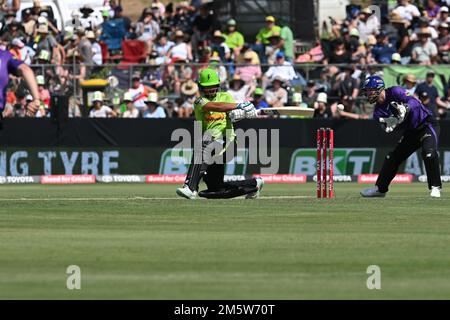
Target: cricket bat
(288, 111)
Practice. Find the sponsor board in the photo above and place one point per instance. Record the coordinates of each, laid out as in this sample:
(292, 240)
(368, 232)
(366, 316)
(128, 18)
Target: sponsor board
(68, 179)
(423, 178)
(165, 178)
(283, 178)
(346, 161)
(338, 178)
(121, 179)
(372, 178)
(177, 161)
(19, 179)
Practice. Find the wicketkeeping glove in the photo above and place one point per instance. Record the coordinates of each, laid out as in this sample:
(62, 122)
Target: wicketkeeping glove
(236, 115)
(390, 123)
(402, 110)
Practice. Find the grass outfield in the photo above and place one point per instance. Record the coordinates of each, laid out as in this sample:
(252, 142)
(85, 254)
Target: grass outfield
(286, 245)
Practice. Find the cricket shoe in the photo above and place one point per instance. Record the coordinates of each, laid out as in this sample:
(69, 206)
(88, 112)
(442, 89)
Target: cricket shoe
(259, 185)
(187, 193)
(435, 192)
(372, 193)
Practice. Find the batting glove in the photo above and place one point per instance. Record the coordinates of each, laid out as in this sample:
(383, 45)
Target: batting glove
(389, 123)
(237, 115)
(245, 106)
(252, 113)
(401, 109)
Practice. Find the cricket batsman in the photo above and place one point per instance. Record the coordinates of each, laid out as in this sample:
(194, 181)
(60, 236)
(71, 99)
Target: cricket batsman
(395, 109)
(217, 111)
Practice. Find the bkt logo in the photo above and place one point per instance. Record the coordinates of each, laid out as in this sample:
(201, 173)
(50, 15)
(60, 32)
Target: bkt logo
(177, 161)
(345, 161)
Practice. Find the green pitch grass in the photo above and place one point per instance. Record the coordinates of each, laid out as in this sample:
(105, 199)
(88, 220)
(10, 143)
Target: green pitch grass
(286, 245)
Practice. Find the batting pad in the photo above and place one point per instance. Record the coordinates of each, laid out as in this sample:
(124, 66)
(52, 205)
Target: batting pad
(227, 193)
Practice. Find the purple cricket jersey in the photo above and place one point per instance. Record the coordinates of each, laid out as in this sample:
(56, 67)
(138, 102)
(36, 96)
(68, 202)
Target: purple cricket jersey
(417, 111)
(7, 65)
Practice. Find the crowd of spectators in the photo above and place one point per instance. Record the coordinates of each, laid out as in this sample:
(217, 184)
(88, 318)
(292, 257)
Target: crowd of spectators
(179, 39)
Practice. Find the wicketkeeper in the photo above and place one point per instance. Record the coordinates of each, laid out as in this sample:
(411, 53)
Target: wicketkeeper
(217, 110)
(395, 109)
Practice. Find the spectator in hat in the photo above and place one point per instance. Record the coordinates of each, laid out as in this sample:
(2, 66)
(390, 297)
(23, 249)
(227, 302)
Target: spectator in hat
(351, 40)
(383, 50)
(218, 45)
(105, 16)
(423, 24)
(401, 34)
(264, 34)
(240, 91)
(96, 49)
(396, 58)
(130, 109)
(189, 90)
(259, 100)
(153, 110)
(425, 51)
(139, 92)
(234, 39)
(367, 24)
(99, 109)
(44, 94)
(428, 87)
(410, 83)
(249, 72)
(321, 108)
(14, 30)
(443, 42)
(181, 51)
(273, 47)
(87, 20)
(45, 41)
(283, 70)
(443, 17)
(277, 96)
(240, 59)
(263, 37)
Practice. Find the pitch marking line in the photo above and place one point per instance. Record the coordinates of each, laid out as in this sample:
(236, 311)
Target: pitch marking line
(137, 198)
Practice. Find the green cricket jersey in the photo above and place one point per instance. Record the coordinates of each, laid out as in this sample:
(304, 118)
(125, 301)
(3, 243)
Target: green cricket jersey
(234, 40)
(264, 34)
(218, 123)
